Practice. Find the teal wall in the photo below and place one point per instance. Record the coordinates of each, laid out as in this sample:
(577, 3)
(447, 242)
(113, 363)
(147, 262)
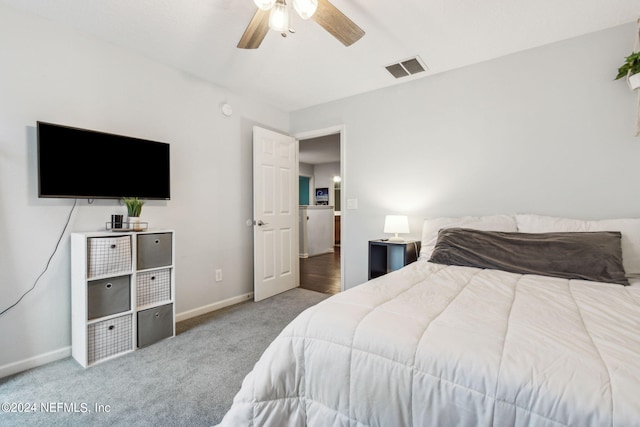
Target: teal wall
(303, 190)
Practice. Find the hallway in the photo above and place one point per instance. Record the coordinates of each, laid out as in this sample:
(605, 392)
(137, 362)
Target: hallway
(321, 273)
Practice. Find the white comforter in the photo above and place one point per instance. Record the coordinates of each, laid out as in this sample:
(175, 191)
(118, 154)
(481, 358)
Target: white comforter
(434, 345)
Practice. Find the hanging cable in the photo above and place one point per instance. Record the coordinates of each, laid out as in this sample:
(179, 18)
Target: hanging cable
(46, 267)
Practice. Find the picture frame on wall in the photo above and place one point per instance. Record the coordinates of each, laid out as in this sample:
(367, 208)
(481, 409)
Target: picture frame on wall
(322, 196)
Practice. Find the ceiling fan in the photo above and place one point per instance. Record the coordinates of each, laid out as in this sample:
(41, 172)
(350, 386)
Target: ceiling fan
(275, 15)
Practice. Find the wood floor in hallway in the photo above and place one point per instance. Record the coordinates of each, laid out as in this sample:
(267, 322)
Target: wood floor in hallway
(321, 273)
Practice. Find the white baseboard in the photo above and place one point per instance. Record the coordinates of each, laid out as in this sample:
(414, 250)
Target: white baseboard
(212, 307)
(52, 356)
(34, 362)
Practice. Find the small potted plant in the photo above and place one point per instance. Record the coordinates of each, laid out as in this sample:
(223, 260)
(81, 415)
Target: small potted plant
(631, 68)
(134, 209)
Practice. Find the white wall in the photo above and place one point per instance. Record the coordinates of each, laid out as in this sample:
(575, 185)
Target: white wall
(305, 169)
(321, 177)
(324, 174)
(543, 131)
(53, 74)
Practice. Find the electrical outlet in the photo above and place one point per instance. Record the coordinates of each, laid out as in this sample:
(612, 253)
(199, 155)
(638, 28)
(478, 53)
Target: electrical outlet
(218, 275)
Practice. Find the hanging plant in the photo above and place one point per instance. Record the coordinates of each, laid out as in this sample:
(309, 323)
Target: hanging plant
(631, 68)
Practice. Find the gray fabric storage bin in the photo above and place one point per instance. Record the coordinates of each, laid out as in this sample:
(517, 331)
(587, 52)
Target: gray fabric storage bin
(108, 296)
(155, 324)
(154, 250)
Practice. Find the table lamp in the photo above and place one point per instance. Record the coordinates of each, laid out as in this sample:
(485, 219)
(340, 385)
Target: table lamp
(396, 224)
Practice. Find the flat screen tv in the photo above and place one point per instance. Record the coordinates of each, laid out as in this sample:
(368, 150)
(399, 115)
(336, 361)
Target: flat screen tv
(80, 163)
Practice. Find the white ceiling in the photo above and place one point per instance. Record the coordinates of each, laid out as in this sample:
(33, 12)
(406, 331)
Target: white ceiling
(311, 67)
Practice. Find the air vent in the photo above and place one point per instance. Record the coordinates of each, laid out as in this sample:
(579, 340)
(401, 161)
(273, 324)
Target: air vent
(406, 68)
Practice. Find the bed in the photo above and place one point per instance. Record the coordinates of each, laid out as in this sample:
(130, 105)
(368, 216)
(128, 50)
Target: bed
(438, 344)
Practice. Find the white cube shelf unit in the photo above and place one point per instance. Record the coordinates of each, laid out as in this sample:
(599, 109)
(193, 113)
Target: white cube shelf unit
(122, 292)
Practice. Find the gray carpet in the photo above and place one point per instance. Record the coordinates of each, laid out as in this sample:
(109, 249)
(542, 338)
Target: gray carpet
(188, 380)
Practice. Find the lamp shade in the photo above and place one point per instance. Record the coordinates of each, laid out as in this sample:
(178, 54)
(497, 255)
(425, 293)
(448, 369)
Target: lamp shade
(305, 8)
(279, 17)
(264, 4)
(396, 224)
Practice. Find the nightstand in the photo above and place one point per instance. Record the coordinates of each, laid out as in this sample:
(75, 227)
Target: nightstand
(386, 256)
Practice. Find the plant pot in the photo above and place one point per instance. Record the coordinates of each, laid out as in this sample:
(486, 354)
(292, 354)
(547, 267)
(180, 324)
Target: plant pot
(134, 223)
(634, 81)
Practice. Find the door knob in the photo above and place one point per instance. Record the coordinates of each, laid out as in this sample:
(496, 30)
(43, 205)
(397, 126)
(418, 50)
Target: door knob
(261, 223)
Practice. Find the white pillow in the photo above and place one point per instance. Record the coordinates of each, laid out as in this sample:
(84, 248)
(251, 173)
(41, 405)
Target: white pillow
(431, 227)
(630, 229)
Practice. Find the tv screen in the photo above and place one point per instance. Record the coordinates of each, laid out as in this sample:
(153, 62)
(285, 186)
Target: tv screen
(80, 163)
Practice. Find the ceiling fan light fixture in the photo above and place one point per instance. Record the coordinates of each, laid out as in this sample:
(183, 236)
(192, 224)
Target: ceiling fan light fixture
(279, 17)
(305, 8)
(264, 4)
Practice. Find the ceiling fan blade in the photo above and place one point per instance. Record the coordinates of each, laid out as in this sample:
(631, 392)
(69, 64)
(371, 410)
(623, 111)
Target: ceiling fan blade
(256, 30)
(337, 23)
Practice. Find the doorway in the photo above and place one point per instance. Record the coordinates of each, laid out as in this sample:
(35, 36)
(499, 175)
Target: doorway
(320, 221)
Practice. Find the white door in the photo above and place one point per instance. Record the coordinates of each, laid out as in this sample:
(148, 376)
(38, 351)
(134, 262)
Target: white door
(275, 213)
